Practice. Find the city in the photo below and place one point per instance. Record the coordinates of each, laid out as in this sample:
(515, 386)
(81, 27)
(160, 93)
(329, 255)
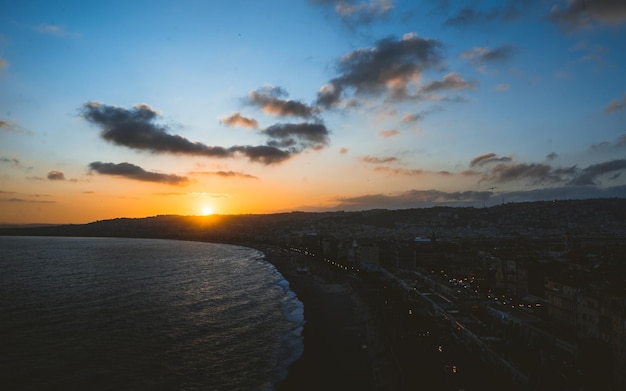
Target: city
(534, 291)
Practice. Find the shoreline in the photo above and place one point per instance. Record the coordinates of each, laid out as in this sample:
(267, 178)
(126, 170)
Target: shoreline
(335, 356)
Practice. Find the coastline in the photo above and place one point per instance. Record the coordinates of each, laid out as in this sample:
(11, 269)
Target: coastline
(335, 355)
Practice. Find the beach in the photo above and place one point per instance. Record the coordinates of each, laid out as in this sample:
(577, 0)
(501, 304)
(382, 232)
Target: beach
(336, 353)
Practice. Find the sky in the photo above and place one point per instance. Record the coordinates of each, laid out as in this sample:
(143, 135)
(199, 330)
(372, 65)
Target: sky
(133, 109)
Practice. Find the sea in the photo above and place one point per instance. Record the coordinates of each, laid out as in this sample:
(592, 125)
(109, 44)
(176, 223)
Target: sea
(143, 314)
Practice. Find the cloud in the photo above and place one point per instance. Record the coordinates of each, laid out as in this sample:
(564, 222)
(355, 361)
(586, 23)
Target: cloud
(412, 199)
(615, 105)
(508, 12)
(6, 126)
(389, 133)
(501, 87)
(269, 99)
(410, 118)
(343, 151)
(237, 119)
(481, 55)
(225, 174)
(137, 128)
(535, 172)
(551, 156)
(589, 175)
(3, 63)
(23, 200)
(389, 68)
(131, 171)
(14, 162)
(451, 81)
(379, 160)
(488, 158)
(56, 176)
(359, 12)
(50, 29)
(297, 137)
(584, 14)
(564, 193)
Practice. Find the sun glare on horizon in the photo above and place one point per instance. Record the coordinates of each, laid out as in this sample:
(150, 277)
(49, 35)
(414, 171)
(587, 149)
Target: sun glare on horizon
(207, 211)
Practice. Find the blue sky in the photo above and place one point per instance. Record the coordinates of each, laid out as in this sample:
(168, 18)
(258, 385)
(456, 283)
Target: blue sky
(116, 108)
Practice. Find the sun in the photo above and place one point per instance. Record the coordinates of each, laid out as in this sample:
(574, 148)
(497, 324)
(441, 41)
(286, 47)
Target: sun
(207, 211)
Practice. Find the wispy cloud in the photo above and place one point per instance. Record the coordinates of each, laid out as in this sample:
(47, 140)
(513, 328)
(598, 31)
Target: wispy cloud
(506, 12)
(389, 133)
(411, 199)
(236, 119)
(488, 158)
(11, 127)
(131, 171)
(25, 200)
(355, 12)
(615, 105)
(51, 29)
(225, 174)
(585, 14)
(379, 160)
(410, 118)
(451, 81)
(14, 162)
(481, 55)
(501, 87)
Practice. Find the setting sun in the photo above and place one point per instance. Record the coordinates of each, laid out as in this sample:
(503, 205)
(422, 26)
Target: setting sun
(206, 211)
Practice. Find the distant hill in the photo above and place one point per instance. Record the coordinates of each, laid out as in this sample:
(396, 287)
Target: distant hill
(597, 216)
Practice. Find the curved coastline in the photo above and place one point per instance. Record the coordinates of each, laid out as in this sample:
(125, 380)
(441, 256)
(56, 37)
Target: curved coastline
(334, 336)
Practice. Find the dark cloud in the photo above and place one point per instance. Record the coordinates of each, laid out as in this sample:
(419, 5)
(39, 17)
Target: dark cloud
(56, 176)
(535, 172)
(297, 137)
(583, 14)
(237, 119)
(615, 105)
(359, 12)
(488, 158)
(387, 68)
(131, 171)
(379, 160)
(589, 175)
(551, 156)
(269, 99)
(507, 12)
(137, 128)
(265, 154)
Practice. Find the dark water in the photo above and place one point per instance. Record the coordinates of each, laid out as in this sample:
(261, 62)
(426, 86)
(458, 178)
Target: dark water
(137, 314)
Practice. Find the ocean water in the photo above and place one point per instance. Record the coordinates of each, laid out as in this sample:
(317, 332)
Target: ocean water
(142, 314)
